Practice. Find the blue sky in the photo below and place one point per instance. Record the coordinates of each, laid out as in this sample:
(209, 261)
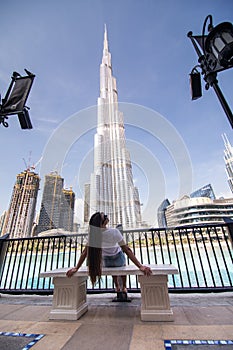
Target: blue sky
(62, 41)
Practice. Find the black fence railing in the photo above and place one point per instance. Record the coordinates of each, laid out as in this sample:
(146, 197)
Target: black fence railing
(202, 254)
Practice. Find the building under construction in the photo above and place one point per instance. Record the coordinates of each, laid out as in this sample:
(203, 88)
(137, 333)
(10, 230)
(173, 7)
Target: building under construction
(57, 205)
(21, 213)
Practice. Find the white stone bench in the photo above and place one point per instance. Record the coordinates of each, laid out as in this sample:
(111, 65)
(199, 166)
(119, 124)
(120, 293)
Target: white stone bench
(69, 296)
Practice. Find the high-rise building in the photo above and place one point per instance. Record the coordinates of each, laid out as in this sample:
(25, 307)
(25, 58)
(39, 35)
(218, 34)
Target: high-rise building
(86, 202)
(67, 210)
(162, 222)
(21, 213)
(228, 158)
(2, 221)
(51, 203)
(57, 205)
(111, 187)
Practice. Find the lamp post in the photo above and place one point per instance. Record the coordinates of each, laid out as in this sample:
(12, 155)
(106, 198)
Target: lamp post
(15, 100)
(215, 54)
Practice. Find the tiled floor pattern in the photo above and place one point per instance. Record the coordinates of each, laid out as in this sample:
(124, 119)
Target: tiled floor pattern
(198, 344)
(16, 341)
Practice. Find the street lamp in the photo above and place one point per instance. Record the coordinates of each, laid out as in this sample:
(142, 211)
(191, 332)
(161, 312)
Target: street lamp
(15, 100)
(215, 54)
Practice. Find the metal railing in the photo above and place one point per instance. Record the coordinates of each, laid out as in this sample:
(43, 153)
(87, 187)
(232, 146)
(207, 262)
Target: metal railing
(202, 254)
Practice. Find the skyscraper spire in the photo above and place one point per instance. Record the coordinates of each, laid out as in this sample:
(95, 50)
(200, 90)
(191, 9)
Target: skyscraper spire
(112, 189)
(105, 39)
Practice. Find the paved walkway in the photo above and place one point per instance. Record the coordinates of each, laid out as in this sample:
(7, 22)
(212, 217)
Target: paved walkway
(111, 326)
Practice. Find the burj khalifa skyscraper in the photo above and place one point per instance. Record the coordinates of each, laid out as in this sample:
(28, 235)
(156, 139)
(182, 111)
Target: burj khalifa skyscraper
(111, 189)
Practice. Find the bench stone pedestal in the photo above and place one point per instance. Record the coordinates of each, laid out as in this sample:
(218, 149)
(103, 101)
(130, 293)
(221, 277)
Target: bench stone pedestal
(155, 299)
(69, 298)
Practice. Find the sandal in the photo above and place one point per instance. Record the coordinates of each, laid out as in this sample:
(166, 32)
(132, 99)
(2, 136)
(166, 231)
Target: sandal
(124, 295)
(119, 295)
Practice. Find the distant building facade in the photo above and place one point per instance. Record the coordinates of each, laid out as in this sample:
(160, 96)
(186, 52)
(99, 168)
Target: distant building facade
(21, 213)
(200, 207)
(228, 158)
(87, 188)
(205, 191)
(162, 222)
(2, 221)
(57, 205)
(198, 210)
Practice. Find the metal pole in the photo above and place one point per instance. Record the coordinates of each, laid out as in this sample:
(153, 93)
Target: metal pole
(223, 102)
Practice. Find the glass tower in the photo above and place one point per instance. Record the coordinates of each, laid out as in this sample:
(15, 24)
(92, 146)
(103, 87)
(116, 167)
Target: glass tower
(205, 191)
(111, 187)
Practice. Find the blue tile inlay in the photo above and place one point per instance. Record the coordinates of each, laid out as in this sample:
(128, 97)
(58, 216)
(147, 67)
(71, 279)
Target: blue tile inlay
(168, 343)
(36, 338)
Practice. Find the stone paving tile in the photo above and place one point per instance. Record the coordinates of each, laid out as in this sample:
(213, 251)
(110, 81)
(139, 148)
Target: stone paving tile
(12, 325)
(25, 312)
(180, 316)
(104, 337)
(147, 336)
(209, 315)
(66, 328)
(107, 315)
(52, 342)
(147, 345)
(7, 309)
(197, 332)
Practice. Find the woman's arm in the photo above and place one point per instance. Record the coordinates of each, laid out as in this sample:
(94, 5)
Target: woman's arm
(126, 249)
(83, 256)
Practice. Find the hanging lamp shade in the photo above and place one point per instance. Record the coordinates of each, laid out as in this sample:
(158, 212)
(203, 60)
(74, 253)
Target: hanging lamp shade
(219, 42)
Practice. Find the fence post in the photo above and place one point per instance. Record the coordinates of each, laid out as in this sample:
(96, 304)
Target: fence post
(229, 223)
(2, 251)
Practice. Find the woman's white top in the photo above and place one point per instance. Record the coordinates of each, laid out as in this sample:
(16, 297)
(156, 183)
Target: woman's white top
(110, 239)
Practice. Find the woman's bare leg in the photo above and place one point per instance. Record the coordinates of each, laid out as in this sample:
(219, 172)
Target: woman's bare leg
(124, 289)
(116, 282)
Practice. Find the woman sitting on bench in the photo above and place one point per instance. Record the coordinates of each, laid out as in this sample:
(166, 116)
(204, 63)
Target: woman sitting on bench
(105, 247)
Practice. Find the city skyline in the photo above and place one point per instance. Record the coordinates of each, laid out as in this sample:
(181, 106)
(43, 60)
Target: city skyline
(152, 61)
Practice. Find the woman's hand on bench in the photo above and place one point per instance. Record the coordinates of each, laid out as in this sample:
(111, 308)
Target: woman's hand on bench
(70, 272)
(146, 270)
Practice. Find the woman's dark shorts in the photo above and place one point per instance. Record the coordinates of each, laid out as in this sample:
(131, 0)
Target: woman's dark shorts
(117, 260)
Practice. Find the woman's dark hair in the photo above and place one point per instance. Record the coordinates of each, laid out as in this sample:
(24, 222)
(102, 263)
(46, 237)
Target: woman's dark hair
(94, 253)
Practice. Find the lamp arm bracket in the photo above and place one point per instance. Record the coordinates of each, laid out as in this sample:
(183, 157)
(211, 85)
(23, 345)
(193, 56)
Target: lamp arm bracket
(210, 27)
(195, 70)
